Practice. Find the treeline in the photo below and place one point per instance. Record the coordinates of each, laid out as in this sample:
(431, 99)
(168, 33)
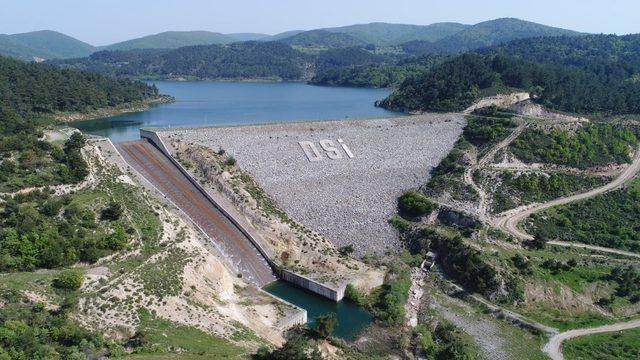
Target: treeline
(550, 68)
(42, 88)
(382, 74)
(42, 231)
(246, 60)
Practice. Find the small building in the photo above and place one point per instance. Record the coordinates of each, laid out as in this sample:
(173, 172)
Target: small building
(429, 261)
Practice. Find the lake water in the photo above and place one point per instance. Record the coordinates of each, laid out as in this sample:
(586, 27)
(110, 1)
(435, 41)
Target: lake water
(202, 103)
(351, 318)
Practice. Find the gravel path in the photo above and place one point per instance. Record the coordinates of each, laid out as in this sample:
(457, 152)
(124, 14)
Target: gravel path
(348, 199)
(510, 220)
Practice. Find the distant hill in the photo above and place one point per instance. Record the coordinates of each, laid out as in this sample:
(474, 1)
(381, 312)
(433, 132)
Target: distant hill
(394, 34)
(248, 36)
(241, 60)
(485, 34)
(173, 40)
(282, 35)
(323, 38)
(499, 31)
(44, 44)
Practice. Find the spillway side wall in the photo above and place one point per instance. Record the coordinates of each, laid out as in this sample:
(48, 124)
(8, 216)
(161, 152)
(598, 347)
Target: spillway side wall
(286, 275)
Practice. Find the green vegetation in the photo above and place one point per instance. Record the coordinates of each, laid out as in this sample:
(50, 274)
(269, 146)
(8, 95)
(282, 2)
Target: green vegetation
(322, 38)
(468, 267)
(387, 302)
(158, 338)
(603, 84)
(515, 190)
(29, 331)
(609, 220)
(70, 279)
(619, 345)
(412, 204)
(31, 87)
(483, 132)
(589, 145)
(45, 44)
(376, 75)
(173, 40)
(253, 60)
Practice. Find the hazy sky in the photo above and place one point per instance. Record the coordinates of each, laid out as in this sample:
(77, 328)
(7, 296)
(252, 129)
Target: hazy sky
(101, 22)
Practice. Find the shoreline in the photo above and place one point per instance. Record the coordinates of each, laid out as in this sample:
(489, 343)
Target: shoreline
(138, 106)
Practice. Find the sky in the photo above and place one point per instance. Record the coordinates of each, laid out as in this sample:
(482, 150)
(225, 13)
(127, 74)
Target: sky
(102, 22)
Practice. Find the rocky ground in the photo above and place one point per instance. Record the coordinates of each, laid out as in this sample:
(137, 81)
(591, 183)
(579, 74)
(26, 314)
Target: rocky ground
(347, 199)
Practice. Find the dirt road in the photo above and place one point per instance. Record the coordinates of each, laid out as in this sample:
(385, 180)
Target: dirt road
(510, 220)
(483, 210)
(163, 174)
(553, 347)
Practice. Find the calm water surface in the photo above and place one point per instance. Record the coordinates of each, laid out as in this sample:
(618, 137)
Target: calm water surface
(351, 318)
(202, 103)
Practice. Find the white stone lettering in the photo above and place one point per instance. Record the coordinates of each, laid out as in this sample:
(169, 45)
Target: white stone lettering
(346, 148)
(310, 150)
(329, 149)
(332, 152)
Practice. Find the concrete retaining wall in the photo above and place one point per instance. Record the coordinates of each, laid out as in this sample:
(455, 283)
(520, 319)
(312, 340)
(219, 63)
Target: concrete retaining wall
(286, 275)
(157, 141)
(312, 285)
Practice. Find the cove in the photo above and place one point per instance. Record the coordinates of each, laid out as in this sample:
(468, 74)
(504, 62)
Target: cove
(206, 103)
(351, 317)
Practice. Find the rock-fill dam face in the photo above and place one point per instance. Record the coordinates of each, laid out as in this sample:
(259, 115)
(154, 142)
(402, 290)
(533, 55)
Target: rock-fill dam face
(339, 178)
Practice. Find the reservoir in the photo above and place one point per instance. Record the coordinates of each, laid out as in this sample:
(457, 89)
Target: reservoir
(205, 103)
(351, 318)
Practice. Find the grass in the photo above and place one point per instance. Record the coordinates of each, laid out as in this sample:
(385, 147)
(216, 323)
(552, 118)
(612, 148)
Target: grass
(608, 346)
(519, 343)
(166, 340)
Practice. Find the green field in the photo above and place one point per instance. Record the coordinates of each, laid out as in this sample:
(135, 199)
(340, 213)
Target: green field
(619, 345)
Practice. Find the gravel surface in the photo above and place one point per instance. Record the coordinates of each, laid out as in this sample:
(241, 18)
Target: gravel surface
(347, 199)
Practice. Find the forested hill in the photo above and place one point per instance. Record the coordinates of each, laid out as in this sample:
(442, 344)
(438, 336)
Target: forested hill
(247, 60)
(43, 44)
(31, 87)
(606, 81)
(322, 38)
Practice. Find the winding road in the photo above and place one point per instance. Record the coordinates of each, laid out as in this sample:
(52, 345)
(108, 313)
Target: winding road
(554, 347)
(509, 221)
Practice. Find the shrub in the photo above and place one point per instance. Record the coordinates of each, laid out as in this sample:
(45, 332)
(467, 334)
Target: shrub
(352, 294)
(414, 204)
(346, 250)
(112, 212)
(324, 325)
(70, 279)
(230, 161)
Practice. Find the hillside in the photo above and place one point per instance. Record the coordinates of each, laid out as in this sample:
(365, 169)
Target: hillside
(44, 44)
(385, 34)
(245, 60)
(485, 34)
(592, 74)
(322, 38)
(30, 87)
(173, 40)
(248, 36)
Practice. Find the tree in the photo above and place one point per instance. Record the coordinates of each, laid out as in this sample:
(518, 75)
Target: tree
(70, 279)
(112, 212)
(414, 204)
(325, 324)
